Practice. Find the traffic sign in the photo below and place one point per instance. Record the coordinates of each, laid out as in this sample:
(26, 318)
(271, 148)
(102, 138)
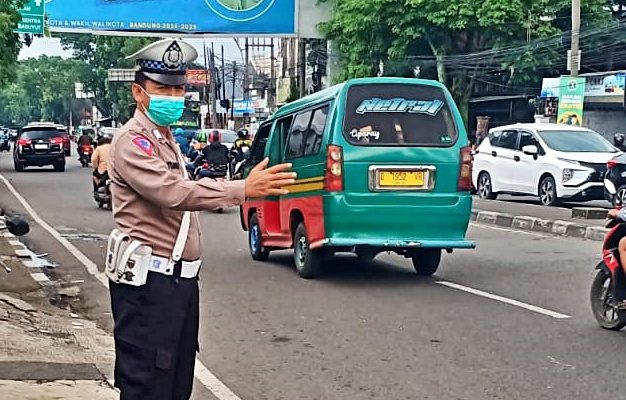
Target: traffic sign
(33, 18)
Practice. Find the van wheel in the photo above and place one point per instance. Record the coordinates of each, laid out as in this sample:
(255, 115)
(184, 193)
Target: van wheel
(485, 189)
(307, 261)
(547, 192)
(426, 261)
(19, 167)
(255, 240)
(60, 167)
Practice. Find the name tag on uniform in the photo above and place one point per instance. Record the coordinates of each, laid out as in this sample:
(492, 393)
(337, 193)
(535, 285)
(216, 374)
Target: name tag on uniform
(173, 165)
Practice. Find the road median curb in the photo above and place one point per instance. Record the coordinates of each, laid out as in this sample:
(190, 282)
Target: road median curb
(533, 224)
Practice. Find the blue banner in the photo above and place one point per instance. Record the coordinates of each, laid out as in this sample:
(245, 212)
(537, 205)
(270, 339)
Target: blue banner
(184, 16)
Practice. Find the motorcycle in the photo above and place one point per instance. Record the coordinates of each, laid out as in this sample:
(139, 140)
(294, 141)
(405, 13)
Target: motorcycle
(608, 288)
(85, 155)
(216, 172)
(102, 195)
(4, 144)
(236, 158)
(238, 165)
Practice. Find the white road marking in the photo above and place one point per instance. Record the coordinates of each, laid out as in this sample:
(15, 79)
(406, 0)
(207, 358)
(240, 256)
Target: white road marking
(202, 373)
(506, 300)
(495, 228)
(15, 243)
(40, 277)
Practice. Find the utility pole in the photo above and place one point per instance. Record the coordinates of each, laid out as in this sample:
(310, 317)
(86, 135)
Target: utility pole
(246, 82)
(272, 94)
(225, 115)
(213, 90)
(302, 66)
(232, 100)
(205, 99)
(574, 58)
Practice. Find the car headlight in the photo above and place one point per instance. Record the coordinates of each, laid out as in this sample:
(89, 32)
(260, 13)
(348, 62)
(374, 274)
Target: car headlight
(568, 174)
(569, 161)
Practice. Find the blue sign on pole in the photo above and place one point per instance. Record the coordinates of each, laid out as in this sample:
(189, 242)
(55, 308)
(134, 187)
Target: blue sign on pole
(185, 16)
(242, 106)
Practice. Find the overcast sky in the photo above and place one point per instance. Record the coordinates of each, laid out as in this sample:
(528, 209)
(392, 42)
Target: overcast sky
(52, 47)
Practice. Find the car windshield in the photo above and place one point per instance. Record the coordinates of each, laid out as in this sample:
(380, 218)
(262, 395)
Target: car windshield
(229, 137)
(577, 142)
(40, 134)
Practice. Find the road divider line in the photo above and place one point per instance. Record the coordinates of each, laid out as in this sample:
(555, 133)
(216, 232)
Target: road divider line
(495, 228)
(505, 300)
(202, 373)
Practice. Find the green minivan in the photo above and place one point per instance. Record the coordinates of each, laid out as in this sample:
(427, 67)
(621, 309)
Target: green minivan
(383, 164)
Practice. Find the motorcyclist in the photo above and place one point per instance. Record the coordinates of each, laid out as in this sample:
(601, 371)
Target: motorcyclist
(195, 150)
(181, 139)
(213, 154)
(243, 140)
(84, 140)
(99, 161)
(619, 141)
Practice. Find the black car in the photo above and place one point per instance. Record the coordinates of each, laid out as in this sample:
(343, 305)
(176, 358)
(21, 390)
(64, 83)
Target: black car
(39, 145)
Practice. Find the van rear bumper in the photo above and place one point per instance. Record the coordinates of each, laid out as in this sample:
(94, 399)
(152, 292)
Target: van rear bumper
(396, 244)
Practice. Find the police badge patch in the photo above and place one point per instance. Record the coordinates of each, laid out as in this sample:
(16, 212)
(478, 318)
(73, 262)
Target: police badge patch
(144, 144)
(173, 57)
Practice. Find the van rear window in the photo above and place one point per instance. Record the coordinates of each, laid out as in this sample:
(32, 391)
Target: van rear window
(398, 115)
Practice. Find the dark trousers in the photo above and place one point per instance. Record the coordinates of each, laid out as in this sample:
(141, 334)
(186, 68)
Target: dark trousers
(156, 337)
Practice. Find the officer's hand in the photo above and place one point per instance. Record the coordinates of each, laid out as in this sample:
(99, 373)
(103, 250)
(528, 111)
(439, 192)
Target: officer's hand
(263, 181)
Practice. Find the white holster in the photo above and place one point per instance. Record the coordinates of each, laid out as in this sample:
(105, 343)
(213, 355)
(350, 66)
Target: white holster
(128, 261)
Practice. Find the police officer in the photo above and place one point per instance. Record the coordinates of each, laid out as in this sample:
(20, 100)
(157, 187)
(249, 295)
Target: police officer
(156, 324)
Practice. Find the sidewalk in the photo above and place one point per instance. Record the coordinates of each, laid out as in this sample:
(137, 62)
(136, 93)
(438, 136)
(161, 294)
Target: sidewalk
(536, 218)
(46, 352)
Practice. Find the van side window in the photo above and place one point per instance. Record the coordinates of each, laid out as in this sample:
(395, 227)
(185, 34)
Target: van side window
(316, 131)
(528, 139)
(259, 144)
(282, 129)
(295, 143)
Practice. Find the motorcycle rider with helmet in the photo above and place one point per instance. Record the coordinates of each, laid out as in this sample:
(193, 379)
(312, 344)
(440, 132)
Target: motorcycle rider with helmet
(195, 150)
(100, 159)
(213, 154)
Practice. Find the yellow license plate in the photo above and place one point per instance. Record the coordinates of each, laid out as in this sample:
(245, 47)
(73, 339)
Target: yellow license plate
(401, 178)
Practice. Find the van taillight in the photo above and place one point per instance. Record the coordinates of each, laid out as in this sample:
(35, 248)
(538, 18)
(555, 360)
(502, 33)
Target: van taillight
(465, 174)
(333, 178)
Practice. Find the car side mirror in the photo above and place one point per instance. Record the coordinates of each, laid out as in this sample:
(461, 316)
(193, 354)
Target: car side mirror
(531, 150)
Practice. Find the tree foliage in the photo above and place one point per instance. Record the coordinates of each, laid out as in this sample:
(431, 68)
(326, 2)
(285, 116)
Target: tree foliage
(42, 91)
(9, 42)
(98, 54)
(456, 42)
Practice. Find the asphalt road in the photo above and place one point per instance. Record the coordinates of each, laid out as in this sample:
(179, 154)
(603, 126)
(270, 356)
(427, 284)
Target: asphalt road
(367, 332)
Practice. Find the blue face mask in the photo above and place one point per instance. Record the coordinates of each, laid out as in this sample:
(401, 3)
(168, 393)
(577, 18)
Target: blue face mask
(165, 110)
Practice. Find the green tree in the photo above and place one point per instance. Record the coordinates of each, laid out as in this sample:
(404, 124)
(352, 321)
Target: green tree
(456, 42)
(98, 54)
(9, 42)
(43, 90)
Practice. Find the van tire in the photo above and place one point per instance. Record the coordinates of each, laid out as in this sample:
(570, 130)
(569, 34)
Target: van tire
(255, 240)
(426, 262)
(485, 187)
(308, 262)
(366, 256)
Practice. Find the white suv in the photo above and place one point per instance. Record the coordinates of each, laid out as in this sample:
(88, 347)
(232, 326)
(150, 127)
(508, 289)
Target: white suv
(553, 162)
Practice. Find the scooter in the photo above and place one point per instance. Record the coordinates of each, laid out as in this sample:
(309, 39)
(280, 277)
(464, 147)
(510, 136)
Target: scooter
(608, 288)
(102, 195)
(85, 156)
(238, 168)
(237, 157)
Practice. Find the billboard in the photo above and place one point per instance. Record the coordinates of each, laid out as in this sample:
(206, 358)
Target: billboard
(225, 17)
(600, 84)
(571, 99)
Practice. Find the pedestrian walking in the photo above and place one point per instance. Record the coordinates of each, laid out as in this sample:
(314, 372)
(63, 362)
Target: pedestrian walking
(154, 254)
